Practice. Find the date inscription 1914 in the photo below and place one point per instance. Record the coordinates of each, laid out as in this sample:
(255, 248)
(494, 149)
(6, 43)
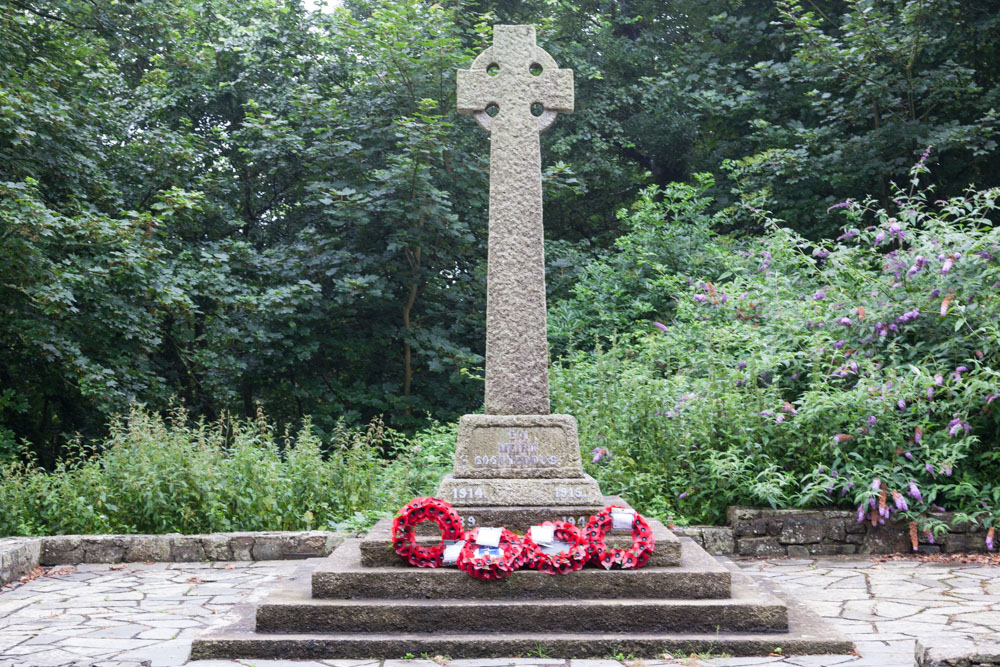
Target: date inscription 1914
(520, 449)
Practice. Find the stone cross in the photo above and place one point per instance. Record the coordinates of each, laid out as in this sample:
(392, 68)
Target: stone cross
(515, 89)
(517, 464)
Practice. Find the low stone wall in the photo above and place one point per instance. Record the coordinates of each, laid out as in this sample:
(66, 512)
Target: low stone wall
(21, 555)
(755, 533)
(72, 549)
(18, 557)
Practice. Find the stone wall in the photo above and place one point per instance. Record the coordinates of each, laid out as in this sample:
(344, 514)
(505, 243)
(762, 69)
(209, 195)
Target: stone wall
(754, 532)
(66, 549)
(21, 555)
(18, 557)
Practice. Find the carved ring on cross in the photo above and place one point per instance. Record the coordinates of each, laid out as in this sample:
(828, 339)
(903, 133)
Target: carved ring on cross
(542, 58)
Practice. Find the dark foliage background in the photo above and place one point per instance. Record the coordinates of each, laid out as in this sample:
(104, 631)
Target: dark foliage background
(247, 203)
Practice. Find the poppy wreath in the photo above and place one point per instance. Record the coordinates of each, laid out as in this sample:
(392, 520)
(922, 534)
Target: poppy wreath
(417, 511)
(642, 541)
(570, 560)
(488, 568)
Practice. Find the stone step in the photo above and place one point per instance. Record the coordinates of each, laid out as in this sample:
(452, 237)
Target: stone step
(230, 643)
(341, 575)
(377, 551)
(292, 609)
(806, 634)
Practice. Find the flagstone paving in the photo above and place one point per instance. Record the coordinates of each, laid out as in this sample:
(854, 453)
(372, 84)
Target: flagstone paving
(146, 614)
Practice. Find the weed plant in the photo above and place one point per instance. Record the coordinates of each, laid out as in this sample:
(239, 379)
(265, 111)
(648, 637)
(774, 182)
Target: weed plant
(156, 475)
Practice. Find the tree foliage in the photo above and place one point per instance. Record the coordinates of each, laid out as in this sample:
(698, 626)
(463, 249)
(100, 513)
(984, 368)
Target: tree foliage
(243, 203)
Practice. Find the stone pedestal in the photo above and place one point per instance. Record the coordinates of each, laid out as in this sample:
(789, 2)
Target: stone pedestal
(519, 461)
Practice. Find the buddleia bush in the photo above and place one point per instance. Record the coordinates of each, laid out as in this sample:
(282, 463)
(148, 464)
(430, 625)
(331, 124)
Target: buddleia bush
(859, 372)
(160, 475)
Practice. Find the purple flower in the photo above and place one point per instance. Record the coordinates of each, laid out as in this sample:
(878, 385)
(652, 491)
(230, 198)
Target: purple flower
(700, 298)
(861, 513)
(819, 295)
(930, 393)
(895, 230)
(930, 537)
(948, 263)
(876, 484)
(901, 404)
(929, 468)
(956, 425)
(989, 540)
(900, 501)
(660, 326)
(879, 237)
(599, 452)
(779, 419)
(923, 158)
(844, 204)
(915, 492)
(935, 293)
(909, 456)
(742, 365)
(947, 472)
(938, 379)
(919, 262)
(991, 397)
(839, 344)
(766, 413)
(847, 235)
(872, 422)
(844, 321)
(957, 373)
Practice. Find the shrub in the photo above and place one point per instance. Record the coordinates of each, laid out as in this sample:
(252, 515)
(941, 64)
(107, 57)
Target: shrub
(859, 372)
(156, 476)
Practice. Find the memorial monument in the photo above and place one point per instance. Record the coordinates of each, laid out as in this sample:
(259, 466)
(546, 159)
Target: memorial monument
(516, 466)
(517, 454)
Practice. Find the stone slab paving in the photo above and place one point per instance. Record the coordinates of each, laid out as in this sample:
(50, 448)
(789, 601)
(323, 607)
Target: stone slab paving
(146, 614)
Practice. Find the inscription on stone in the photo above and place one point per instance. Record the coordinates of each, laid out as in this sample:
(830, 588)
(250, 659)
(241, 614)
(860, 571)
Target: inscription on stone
(520, 449)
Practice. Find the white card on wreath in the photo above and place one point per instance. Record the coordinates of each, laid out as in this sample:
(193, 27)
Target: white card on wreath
(621, 519)
(451, 552)
(488, 537)
(542, 535)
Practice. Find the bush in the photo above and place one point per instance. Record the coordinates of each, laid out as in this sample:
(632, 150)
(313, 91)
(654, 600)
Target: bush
(158, 476)
(859, 372)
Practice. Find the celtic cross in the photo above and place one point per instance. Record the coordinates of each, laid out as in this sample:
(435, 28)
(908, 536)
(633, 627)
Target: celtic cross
(514, 89)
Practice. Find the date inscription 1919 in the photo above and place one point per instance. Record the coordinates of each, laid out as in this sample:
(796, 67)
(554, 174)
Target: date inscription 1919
(520, 449)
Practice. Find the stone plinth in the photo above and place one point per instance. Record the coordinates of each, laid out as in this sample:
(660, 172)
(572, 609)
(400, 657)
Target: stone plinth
(507, 492)
(520, 446)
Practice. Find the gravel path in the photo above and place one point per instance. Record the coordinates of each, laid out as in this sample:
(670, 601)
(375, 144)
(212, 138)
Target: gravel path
(136, 614)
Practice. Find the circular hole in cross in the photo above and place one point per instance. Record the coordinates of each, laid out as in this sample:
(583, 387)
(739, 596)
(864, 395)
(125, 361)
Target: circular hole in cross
(535, 69)
(493, 69)
(492, 109)
(537, 109)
